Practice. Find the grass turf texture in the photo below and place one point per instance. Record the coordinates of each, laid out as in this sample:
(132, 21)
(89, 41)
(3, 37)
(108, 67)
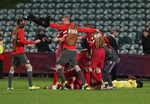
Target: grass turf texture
(21, 94)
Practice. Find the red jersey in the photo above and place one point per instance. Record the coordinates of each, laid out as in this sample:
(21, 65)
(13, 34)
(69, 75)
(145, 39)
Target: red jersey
(64, 27)
(90, 39)
(98, 57)
(82, 60)
(21, 41)
(60, 45)
(1, 57)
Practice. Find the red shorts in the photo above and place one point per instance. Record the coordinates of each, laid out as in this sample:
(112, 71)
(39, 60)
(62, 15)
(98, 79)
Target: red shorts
(97, 60)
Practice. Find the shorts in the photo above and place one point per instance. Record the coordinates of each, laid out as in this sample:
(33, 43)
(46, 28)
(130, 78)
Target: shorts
(97, 60)
(18, 59)
(68, 56)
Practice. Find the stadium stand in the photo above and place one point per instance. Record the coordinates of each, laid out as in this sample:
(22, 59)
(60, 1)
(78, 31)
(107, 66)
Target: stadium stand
(130, 17)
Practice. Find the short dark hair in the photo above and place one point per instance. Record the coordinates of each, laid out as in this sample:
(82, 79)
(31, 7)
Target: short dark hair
(19, 21)
(145, 30)
(39, 29)
(139, 84)
(112, 30)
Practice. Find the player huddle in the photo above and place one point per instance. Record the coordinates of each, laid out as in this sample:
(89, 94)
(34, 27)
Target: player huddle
(86, 69)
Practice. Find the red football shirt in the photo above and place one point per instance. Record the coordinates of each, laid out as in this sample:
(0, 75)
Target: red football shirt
(21, 41)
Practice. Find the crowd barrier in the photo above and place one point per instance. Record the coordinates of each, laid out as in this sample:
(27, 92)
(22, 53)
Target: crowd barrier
(45, 63)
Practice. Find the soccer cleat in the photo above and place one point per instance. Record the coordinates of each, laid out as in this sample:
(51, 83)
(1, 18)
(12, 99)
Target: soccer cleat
(10, 88)
(109, 87)
(54, 87)
(85, 87)
(34, 88)
(63, 86)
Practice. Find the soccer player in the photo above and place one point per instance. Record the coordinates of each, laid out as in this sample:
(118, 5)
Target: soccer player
(18, 54)
(74, 82)
(60, 47)
(83, 61)
(68, 53)
(98, 57)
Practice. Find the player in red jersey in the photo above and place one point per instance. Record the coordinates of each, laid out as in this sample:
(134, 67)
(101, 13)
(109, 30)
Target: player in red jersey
(18, 54)
(74, 82)
(68, 53)
(90, 39)
(97, 58)
(60, 47)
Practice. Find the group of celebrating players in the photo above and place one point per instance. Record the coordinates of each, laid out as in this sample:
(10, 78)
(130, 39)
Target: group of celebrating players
(87, 69)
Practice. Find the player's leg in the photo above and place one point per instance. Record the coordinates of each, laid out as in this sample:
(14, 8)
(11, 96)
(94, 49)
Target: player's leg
(73, 61)
(14, 64)
(55, 78)
(10, 77)
(63, 60)
(25, 61)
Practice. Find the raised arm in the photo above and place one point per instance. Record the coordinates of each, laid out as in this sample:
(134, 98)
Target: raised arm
(86, 30)
(21, 36)
(61, 27)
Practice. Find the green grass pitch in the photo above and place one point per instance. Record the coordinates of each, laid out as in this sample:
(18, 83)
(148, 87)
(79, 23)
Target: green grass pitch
(21, 94)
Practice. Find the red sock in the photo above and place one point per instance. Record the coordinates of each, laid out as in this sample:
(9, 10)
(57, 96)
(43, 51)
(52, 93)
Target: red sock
(99, 75)
(87, 77)
(94, 76)
(55, 78)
